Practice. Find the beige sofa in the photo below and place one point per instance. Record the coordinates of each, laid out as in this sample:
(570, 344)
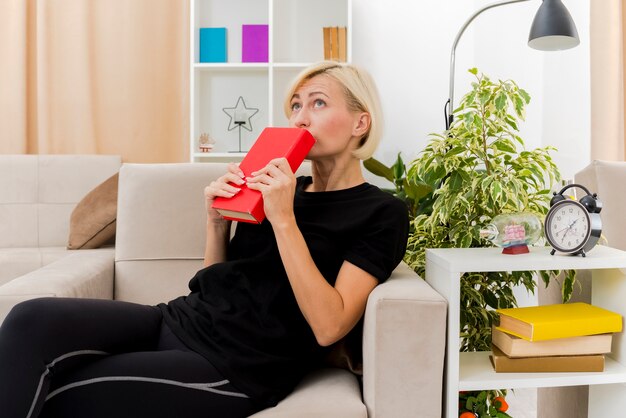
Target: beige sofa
(37, 196)
(159, 246)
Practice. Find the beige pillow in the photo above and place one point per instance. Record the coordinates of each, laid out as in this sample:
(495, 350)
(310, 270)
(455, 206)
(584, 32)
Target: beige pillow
(92, 223)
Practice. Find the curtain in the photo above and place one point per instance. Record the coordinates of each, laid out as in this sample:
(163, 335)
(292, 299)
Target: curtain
(623, 62)
(95, 77)
(608, 40)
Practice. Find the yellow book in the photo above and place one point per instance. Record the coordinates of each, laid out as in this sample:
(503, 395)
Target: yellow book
(538, 323)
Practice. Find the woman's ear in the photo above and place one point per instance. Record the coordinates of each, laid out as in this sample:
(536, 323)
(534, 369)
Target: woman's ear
(362, 125)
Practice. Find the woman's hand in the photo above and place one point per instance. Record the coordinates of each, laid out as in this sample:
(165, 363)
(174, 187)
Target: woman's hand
(222, 188)
(277, 184)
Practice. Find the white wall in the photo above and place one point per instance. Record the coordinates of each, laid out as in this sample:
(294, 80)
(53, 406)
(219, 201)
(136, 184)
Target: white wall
(406, 46)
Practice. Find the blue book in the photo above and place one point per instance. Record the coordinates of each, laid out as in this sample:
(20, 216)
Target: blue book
(213, 45)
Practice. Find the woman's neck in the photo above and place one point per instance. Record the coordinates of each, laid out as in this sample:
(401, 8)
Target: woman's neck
(334, 175)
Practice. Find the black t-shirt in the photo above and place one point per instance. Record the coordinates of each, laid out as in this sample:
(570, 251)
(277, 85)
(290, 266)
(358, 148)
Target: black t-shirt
(242, 314)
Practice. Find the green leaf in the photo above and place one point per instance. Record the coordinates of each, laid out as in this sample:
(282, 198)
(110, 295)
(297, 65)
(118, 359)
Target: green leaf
(491, 299)
(568, 284)
(525, 95)
(484, 97)
(470, 97)
(496, 190)
(504, 145)
(416, 190)
(398, 168)
(519, 106)
(466, 240)
(478, 122)
(468, 119)
(473, 70)
(501, 101)
(379, 169)
(455, 151)
(456, 181)
(511, 122)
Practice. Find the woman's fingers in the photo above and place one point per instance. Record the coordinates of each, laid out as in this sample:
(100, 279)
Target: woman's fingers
(222, 190)
(263, 178)
(276, 168)
(276, 174)
(232, 178)
(234, 169)
(222, 187)
(225, 186)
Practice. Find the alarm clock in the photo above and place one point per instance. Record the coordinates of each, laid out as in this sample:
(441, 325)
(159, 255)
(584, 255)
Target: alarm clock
(573, 226)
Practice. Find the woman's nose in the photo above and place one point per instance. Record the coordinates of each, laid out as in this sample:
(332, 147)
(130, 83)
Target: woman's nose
(301, 119)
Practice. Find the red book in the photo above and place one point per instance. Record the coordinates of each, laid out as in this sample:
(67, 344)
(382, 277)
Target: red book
(247, 205)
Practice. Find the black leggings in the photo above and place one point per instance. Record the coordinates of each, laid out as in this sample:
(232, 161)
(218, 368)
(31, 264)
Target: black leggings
(96, 358)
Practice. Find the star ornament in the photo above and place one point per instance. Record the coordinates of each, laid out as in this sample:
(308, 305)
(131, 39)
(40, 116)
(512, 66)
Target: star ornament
(240, 115)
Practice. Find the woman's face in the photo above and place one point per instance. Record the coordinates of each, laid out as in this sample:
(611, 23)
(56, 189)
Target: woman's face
(320, 106)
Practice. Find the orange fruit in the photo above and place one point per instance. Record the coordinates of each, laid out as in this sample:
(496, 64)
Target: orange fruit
(503, 405)
(467, 414)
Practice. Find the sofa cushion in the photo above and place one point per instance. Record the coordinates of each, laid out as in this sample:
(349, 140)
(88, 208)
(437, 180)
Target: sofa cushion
(39, 192)
(323, 393)
(84, 274)
(15, 262)
(92, 222)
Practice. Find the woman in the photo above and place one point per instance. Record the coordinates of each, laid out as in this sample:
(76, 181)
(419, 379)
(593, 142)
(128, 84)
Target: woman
(261, 310)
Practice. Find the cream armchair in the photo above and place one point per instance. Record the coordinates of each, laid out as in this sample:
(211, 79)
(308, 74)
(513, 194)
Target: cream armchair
(159, 247)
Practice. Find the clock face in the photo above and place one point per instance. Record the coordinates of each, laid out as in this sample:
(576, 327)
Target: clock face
(567, 226)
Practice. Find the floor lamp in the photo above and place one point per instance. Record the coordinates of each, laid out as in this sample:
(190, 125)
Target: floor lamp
(552, 30)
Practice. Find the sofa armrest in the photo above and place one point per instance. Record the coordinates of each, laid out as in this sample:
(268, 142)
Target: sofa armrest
(83, 274)
(404, 337)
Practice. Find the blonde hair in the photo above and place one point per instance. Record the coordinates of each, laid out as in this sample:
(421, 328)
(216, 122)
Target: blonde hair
(360, 93)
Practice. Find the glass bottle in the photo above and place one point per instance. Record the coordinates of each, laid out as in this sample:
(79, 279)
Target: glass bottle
(514, 232)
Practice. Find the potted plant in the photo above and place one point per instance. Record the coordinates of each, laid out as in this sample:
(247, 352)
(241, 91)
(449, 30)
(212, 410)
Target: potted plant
(459, 182)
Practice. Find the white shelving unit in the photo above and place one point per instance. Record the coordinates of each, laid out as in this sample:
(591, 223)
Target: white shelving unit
(473, 371)
(295, 41)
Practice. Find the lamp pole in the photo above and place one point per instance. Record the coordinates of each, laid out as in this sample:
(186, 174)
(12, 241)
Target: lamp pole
(450, 103)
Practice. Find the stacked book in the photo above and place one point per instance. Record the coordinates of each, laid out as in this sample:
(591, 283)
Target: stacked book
(572, 337)
(335, 43)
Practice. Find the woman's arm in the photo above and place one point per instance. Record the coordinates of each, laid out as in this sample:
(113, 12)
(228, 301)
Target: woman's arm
(217, 236)
(330, 311)
(218, 228)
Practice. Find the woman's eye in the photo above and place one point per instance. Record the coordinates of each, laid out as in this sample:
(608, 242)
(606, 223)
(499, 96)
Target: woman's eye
(295, 106)
(319, 103)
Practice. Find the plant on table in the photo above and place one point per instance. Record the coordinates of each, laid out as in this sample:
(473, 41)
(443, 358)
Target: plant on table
(467, 175)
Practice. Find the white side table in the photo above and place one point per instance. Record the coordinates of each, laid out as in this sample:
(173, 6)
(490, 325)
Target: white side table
(473, 371)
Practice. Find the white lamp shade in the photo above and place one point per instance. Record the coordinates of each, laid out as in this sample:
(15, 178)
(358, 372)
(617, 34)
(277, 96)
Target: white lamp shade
(553, 43)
